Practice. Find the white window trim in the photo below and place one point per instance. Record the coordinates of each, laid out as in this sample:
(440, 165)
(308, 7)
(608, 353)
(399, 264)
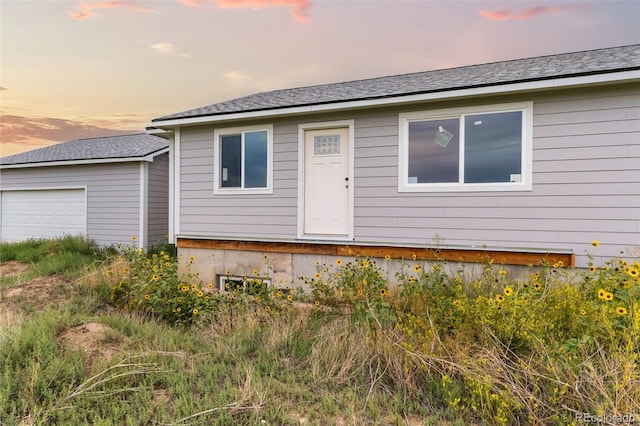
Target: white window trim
(217, 189)
(527, 148)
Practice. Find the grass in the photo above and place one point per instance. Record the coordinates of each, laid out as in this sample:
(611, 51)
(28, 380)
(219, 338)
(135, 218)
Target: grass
(455, 357)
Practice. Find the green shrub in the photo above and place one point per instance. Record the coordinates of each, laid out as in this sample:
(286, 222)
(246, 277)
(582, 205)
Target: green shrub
(152, 284)
(358, 286)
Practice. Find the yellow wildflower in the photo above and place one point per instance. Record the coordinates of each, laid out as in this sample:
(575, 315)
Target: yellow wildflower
(621, 310)
(595, 243)
(508, 291)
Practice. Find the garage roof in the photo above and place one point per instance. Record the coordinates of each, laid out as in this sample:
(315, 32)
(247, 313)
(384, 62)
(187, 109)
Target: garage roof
(91, 150)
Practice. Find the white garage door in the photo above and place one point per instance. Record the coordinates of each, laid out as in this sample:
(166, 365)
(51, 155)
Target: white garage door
(42, 214)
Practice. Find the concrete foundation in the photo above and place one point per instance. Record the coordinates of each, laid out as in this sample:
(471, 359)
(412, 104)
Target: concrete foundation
(288, 270)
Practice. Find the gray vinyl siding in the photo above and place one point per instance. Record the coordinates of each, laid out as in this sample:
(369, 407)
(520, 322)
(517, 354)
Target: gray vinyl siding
(230, 216)
(113, 194)
(158, 199)
(586, 182)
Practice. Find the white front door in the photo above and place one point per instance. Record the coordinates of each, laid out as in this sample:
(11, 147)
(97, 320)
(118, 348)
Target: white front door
(326, 182)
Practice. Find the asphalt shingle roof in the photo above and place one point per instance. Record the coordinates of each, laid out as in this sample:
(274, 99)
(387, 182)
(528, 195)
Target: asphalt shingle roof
(110, 147)
(521, 70)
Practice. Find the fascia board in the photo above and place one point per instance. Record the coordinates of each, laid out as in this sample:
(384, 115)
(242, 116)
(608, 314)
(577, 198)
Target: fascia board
(617, 77)
(148, 158)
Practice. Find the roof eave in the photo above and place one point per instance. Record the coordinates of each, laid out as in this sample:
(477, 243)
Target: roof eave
(618, 76)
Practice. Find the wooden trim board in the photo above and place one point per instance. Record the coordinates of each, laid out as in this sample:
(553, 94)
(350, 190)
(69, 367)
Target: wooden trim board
(379, 251)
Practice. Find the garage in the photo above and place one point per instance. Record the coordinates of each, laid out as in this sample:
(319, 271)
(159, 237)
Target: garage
(113, 190)
(42, 213)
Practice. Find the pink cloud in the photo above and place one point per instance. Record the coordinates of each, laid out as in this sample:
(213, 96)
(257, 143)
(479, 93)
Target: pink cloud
(300, 7)
(86, 9)
(526, 14)
(30, 131)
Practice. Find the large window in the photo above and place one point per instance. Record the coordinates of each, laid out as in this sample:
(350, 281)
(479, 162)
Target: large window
(466, 149)
(243, 160)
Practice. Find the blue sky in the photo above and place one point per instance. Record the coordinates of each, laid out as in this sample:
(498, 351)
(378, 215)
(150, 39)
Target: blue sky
(72, 69)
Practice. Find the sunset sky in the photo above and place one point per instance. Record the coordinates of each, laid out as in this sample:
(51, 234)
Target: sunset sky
(73, 69)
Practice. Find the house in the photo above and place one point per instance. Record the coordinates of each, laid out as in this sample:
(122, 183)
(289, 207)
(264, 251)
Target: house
(522, 162)
(108, 189)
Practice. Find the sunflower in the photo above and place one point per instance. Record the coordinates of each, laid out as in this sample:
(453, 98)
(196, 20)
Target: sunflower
(338, 262)
(595, 243)
(146, 296)
(195, 311)
(317, 303)
(184, 288)
(621, 310)
(608, 296)
(155, 277)
(200, 293)
(592, 269)
(417, 268)
(387, 257)
(384, 292)
(508, 291)
(633, 272)
(255, 272)
(318, 275)
(499, 298)
(601, 294)
(290, 297)
(502, 272)
(192, 258)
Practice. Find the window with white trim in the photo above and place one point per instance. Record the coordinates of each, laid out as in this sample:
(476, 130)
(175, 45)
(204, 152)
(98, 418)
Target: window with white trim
(466, 149)
(243, 160)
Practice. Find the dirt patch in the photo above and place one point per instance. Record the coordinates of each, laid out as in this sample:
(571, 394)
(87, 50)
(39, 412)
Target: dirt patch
(12, 268)
(38, 293)
(93, 338)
